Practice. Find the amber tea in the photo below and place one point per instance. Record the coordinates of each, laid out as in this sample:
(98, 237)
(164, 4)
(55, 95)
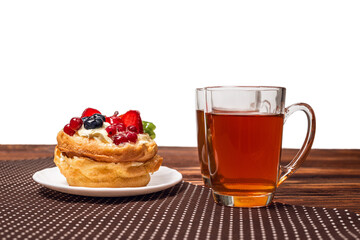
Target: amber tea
(245, 153)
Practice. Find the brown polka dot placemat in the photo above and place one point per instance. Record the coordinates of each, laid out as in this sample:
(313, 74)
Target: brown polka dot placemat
(185, 211)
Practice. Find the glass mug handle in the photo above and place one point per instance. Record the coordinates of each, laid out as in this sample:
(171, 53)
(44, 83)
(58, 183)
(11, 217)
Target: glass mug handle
(300, 157)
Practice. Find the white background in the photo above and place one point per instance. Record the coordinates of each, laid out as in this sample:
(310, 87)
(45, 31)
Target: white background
(59, 57)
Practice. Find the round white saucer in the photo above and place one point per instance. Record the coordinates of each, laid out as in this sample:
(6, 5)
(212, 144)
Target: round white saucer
(162, 179)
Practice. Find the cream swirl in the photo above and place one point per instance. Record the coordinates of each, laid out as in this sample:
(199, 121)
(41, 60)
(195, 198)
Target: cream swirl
(96, 133)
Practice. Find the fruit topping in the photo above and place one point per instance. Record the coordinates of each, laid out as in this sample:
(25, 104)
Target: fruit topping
(68, 130)
(111, 130)
(131, 137)
(120, 127)
(114, 119)
(97, 115)
(149, 128)
(94, 121)
(133, 118)
(76, 123)
(132, 128)
(89, 112)
(120, 139)
(123, 128)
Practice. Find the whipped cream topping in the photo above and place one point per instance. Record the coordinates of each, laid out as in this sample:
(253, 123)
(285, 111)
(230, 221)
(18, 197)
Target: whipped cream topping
(97, 133)
(143, 138)
(101, 134)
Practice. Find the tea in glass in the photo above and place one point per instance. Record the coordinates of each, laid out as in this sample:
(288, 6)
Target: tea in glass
(249, 147)
(244, 128)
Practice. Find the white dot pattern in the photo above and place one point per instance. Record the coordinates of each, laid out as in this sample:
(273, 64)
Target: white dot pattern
(185, 211)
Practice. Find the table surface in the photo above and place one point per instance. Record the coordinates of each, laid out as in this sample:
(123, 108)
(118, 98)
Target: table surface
(328, 178)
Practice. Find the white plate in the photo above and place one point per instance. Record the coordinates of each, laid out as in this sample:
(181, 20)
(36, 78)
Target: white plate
(162, 179)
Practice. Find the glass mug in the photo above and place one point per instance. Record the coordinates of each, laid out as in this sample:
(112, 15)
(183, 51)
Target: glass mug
(244, 127)
(202, 152)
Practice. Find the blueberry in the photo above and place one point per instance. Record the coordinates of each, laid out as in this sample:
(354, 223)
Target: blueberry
(99, 123)
(89, 124)
(92, 123)
(97, 115)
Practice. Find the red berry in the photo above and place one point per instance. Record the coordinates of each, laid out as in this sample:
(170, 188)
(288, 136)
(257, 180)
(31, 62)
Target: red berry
(132, 128)
(68, 130)
(132, 117)
(113, 120)
(131, 136)
(76, 123)
(119, 139)
(111, 130)
(89, 112)
(120, 127)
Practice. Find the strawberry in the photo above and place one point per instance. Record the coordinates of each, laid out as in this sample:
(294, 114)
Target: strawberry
(89, 112)
(132, 118)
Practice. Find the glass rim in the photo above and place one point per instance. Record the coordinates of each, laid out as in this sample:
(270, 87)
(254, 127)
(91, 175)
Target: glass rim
(249, 88)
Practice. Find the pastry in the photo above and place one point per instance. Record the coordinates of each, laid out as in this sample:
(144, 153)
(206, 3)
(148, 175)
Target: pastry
(100, 151)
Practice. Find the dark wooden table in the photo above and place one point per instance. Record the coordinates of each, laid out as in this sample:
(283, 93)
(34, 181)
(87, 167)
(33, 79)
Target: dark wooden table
(328, 178)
